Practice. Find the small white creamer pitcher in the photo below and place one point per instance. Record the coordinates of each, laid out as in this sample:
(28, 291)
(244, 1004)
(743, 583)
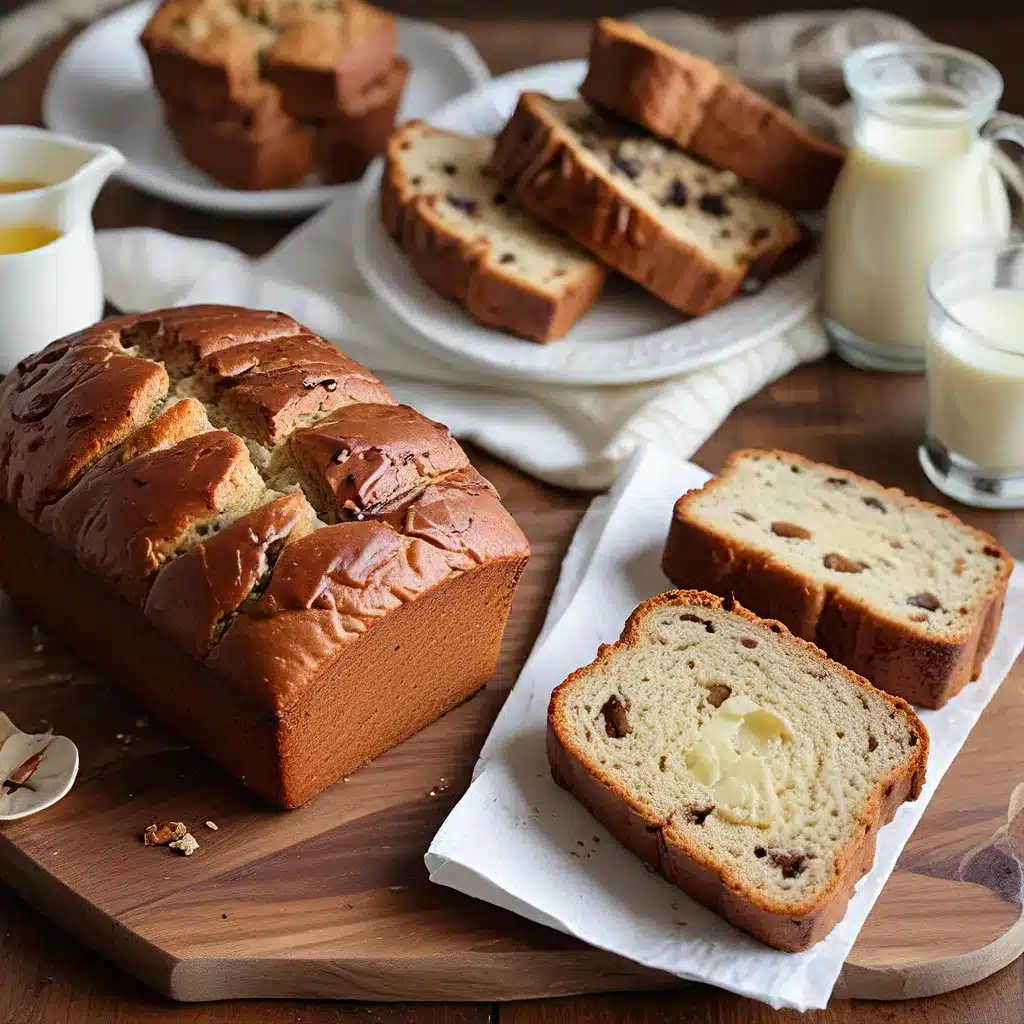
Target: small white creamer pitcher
(48, 290)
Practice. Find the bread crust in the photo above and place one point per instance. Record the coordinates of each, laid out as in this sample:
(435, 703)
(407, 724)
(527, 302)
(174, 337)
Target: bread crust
(788, 927)
(545, 169)
(348, 143)
(213, 73)
(272, 631)
(898, 656)
(264, 148)
(458, 268)
(691, 102)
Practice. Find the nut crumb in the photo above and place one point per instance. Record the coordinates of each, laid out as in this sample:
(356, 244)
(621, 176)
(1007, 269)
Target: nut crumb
(164, 833)
(187, 844)
(212, 825)
(793, 530)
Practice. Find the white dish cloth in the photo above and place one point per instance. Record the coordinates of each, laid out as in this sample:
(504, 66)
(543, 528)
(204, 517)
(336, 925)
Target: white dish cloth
(515, 839)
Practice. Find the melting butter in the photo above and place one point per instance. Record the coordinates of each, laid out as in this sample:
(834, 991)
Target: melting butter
(729, 758)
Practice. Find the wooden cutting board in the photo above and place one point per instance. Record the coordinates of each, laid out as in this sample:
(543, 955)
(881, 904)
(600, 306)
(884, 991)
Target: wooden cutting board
(333, 901)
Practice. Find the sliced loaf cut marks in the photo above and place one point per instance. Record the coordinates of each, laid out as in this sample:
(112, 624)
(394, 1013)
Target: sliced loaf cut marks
(686, 232)
(465, 237)
(901, 591)
(359, 459)
(736, 758)
(125, 523)
(195, 596)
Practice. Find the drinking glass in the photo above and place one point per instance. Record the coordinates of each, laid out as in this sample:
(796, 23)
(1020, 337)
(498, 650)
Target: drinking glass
(974, 445)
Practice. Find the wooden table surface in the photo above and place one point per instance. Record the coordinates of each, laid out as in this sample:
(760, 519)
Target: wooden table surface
(868, 423)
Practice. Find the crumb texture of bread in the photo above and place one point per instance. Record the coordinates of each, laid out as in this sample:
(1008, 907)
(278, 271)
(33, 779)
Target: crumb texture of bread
(467, 238)
(737, 759)
(901, 591)
(171, 455)
(683, 230)
(686, 99)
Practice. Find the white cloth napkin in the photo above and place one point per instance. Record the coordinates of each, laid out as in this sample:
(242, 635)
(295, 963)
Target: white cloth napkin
(517, 840)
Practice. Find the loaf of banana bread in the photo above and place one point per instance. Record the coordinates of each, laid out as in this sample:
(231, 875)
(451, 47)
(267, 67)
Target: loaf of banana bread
(321, 54)
(248, 532)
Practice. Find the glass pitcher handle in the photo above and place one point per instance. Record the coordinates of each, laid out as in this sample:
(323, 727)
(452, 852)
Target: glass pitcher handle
(1002, 127)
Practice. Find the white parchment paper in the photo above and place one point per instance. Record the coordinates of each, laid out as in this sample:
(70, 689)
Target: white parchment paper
(517, 840)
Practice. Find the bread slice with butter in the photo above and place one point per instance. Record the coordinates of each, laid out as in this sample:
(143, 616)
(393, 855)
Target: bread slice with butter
(738, 760)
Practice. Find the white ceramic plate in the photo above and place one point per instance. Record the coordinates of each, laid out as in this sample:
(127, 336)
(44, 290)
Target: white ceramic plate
(628, 337)
(100, 91)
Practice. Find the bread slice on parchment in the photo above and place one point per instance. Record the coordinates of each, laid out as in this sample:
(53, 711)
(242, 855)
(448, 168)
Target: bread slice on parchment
(900, 591)
(738, 760)
(465, 237)
(698, 106)
(683, 230)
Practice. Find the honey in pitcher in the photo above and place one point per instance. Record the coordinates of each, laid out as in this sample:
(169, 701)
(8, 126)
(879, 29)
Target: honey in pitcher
(16, 238)
(8, 185)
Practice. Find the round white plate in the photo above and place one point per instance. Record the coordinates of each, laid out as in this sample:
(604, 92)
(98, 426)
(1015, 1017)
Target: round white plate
(100, 91)
(628, 337)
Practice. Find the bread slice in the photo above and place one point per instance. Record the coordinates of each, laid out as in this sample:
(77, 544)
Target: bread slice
(466, 239)
(900, 591)
(738, 760)
(684, 231)
(691, 102)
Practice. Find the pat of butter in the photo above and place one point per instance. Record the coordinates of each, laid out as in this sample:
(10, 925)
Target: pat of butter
(728, 757)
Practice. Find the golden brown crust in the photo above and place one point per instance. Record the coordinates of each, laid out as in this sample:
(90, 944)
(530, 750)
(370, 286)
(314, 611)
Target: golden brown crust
(898, 656)
(168, 519)
(671, 852)
(260, 149)
(349, 142)
(364, 457)
(124, 522)
(544, 167)
(277, 383)
(208, 55)
(67, 406)
(194, 597)
(458, 267)
(689, 101)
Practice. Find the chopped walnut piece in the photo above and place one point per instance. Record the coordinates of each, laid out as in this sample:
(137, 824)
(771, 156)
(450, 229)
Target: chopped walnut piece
(187, 844)
(784, 529)
(164, 833)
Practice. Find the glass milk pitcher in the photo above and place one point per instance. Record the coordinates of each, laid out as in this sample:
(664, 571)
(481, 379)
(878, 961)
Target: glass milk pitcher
(919, 180)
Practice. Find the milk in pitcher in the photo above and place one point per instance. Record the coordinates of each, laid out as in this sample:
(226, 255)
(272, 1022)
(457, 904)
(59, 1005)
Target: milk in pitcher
(918, 181)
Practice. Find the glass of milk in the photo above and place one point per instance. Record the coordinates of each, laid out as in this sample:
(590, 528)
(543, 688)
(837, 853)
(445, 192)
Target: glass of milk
(919, 180)
(974, 449)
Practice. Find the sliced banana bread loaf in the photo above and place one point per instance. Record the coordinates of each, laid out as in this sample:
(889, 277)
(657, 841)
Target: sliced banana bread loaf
(466, 239)
(691, 102)
(899, 590)
(738, 760)
(686, 232)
